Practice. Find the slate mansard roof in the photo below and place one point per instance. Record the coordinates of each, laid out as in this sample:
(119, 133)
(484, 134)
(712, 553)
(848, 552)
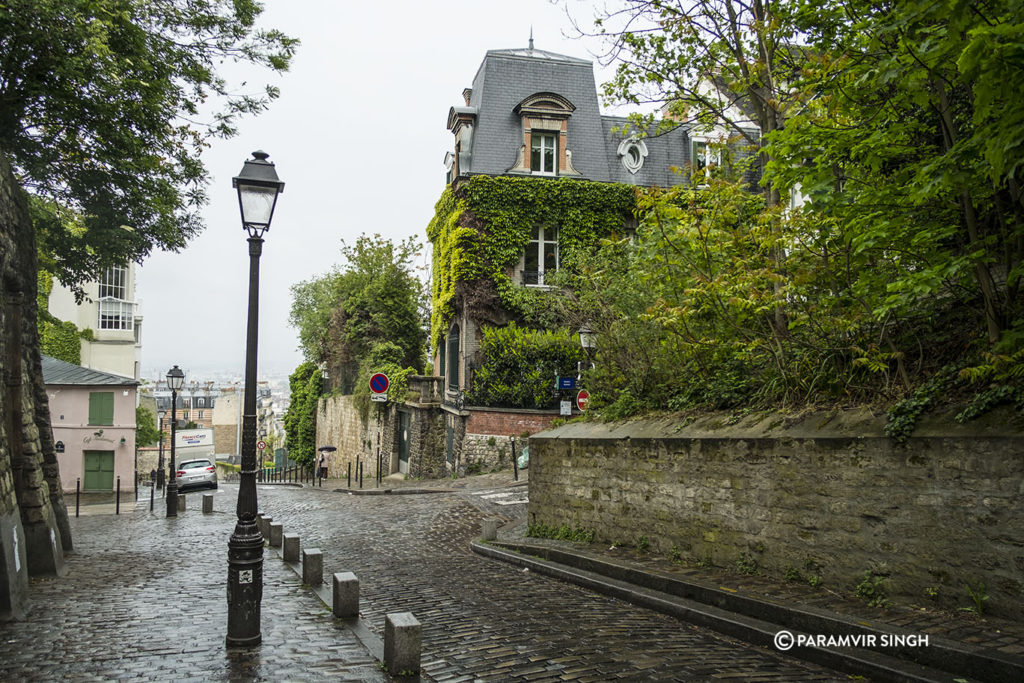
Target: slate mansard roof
(507, 77)
(64, 373)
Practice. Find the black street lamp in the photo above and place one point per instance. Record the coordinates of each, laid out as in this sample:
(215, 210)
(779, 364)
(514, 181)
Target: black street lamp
(258, 187)
(175, 380)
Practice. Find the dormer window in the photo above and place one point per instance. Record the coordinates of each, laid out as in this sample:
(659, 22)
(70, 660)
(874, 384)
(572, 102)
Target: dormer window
(543, 151)
(545, 122)
(632, 153)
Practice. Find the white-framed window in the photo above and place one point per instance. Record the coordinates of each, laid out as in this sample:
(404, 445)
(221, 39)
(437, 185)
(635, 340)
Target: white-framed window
(114, 311)
(541, 255)
(115, 315)
(705, 158)
(543, 153)
(114, 283)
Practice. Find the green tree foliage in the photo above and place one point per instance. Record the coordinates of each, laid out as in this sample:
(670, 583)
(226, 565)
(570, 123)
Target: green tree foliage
(106, 108)
(519, 367)
(913, 111)
(386, 357)
(902, 126)
(146, 432)
(375, 297)
(300, 418)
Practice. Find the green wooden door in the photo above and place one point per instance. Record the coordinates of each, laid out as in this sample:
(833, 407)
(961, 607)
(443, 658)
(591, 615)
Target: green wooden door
(99, 471)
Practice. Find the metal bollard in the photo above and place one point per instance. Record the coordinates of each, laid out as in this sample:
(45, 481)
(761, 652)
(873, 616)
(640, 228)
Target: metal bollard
(78, 491)
(360, 475)
(117, 498)
(350, 474)
(515, 464)
(152, 495)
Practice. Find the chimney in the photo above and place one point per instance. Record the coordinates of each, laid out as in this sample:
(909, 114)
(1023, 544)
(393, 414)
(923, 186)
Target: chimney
(466, 94)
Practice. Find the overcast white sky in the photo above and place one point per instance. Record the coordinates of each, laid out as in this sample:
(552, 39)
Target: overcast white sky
(359, 138)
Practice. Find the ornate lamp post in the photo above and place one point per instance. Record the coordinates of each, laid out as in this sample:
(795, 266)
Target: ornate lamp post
(258, 187)
(175, 380)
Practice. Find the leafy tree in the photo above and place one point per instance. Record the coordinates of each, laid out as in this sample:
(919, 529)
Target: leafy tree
(711, 63)
(106, 108)
(300, 418)
(375, 297)
(146, 432)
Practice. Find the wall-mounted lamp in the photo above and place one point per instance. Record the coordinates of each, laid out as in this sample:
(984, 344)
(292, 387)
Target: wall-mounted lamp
(123, 441)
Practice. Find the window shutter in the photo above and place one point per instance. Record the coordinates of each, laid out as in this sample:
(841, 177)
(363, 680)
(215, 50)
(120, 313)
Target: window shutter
(101, 407)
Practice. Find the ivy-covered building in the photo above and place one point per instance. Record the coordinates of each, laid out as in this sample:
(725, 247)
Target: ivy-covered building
(536, 175)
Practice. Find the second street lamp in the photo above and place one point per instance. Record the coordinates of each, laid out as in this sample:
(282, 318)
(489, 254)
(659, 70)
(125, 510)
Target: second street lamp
(175, 380)
(258, 187)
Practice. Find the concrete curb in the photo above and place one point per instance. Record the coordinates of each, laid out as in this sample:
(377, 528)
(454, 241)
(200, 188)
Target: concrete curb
(758, 621)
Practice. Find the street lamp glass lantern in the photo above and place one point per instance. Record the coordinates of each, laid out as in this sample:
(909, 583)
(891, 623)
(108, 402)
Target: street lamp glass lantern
(588, 340)
(258, 186)
(175, 378)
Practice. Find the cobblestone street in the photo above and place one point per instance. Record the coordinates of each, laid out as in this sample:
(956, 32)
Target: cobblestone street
(486, 620)
(144, 599)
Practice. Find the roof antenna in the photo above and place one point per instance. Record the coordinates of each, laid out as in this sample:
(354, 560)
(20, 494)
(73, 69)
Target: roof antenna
(531, 36)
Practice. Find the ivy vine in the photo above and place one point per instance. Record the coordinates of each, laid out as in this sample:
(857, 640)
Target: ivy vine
(482, 226)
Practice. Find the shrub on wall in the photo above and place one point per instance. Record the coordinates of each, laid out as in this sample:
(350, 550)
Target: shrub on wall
(384, 357)
(520, 365)
(300, 419)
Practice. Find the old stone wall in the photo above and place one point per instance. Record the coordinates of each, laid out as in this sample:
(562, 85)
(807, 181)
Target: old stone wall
(832, 498)
(34, 528)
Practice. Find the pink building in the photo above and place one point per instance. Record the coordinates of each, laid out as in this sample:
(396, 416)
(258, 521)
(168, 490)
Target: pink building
(93, 418)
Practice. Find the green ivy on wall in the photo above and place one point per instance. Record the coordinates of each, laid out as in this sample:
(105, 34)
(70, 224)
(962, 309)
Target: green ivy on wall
(480, 230)
(57, 338)
(306, 384)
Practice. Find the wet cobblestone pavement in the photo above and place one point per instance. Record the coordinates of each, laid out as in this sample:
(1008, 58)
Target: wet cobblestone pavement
(144, 599)
(488, 621)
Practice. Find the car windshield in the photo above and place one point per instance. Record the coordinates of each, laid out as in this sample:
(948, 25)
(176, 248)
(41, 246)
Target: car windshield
(193, 464)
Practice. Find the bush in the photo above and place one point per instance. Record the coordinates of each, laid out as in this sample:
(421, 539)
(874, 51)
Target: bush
(520, 365)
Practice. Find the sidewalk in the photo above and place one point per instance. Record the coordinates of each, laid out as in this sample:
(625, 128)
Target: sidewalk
(144, 600)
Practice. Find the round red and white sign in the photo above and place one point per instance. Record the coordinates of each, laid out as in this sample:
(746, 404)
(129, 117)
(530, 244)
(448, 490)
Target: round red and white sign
(582, 398)
(261, 445)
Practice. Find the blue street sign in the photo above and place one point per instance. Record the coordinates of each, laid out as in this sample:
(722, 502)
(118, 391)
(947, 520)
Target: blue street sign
(566, 382)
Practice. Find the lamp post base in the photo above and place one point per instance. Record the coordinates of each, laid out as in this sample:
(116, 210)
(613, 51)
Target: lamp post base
(245, 584)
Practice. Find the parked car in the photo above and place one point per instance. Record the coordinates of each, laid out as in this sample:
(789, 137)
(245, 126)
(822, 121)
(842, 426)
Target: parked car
(196, 473)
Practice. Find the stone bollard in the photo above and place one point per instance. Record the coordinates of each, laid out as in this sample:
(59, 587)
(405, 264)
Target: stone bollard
(346, 595)
(312, 567)
(490, 529)
(265, 526)
(207, 503)
(274, 538)
(181, 502)
(402, 642)
(291, 547)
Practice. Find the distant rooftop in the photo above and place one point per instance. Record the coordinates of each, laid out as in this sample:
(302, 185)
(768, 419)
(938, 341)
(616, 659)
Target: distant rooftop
(537, 54)
(61, 372)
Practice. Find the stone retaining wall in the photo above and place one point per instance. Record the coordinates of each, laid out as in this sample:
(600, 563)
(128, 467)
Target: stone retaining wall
(826, 497)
